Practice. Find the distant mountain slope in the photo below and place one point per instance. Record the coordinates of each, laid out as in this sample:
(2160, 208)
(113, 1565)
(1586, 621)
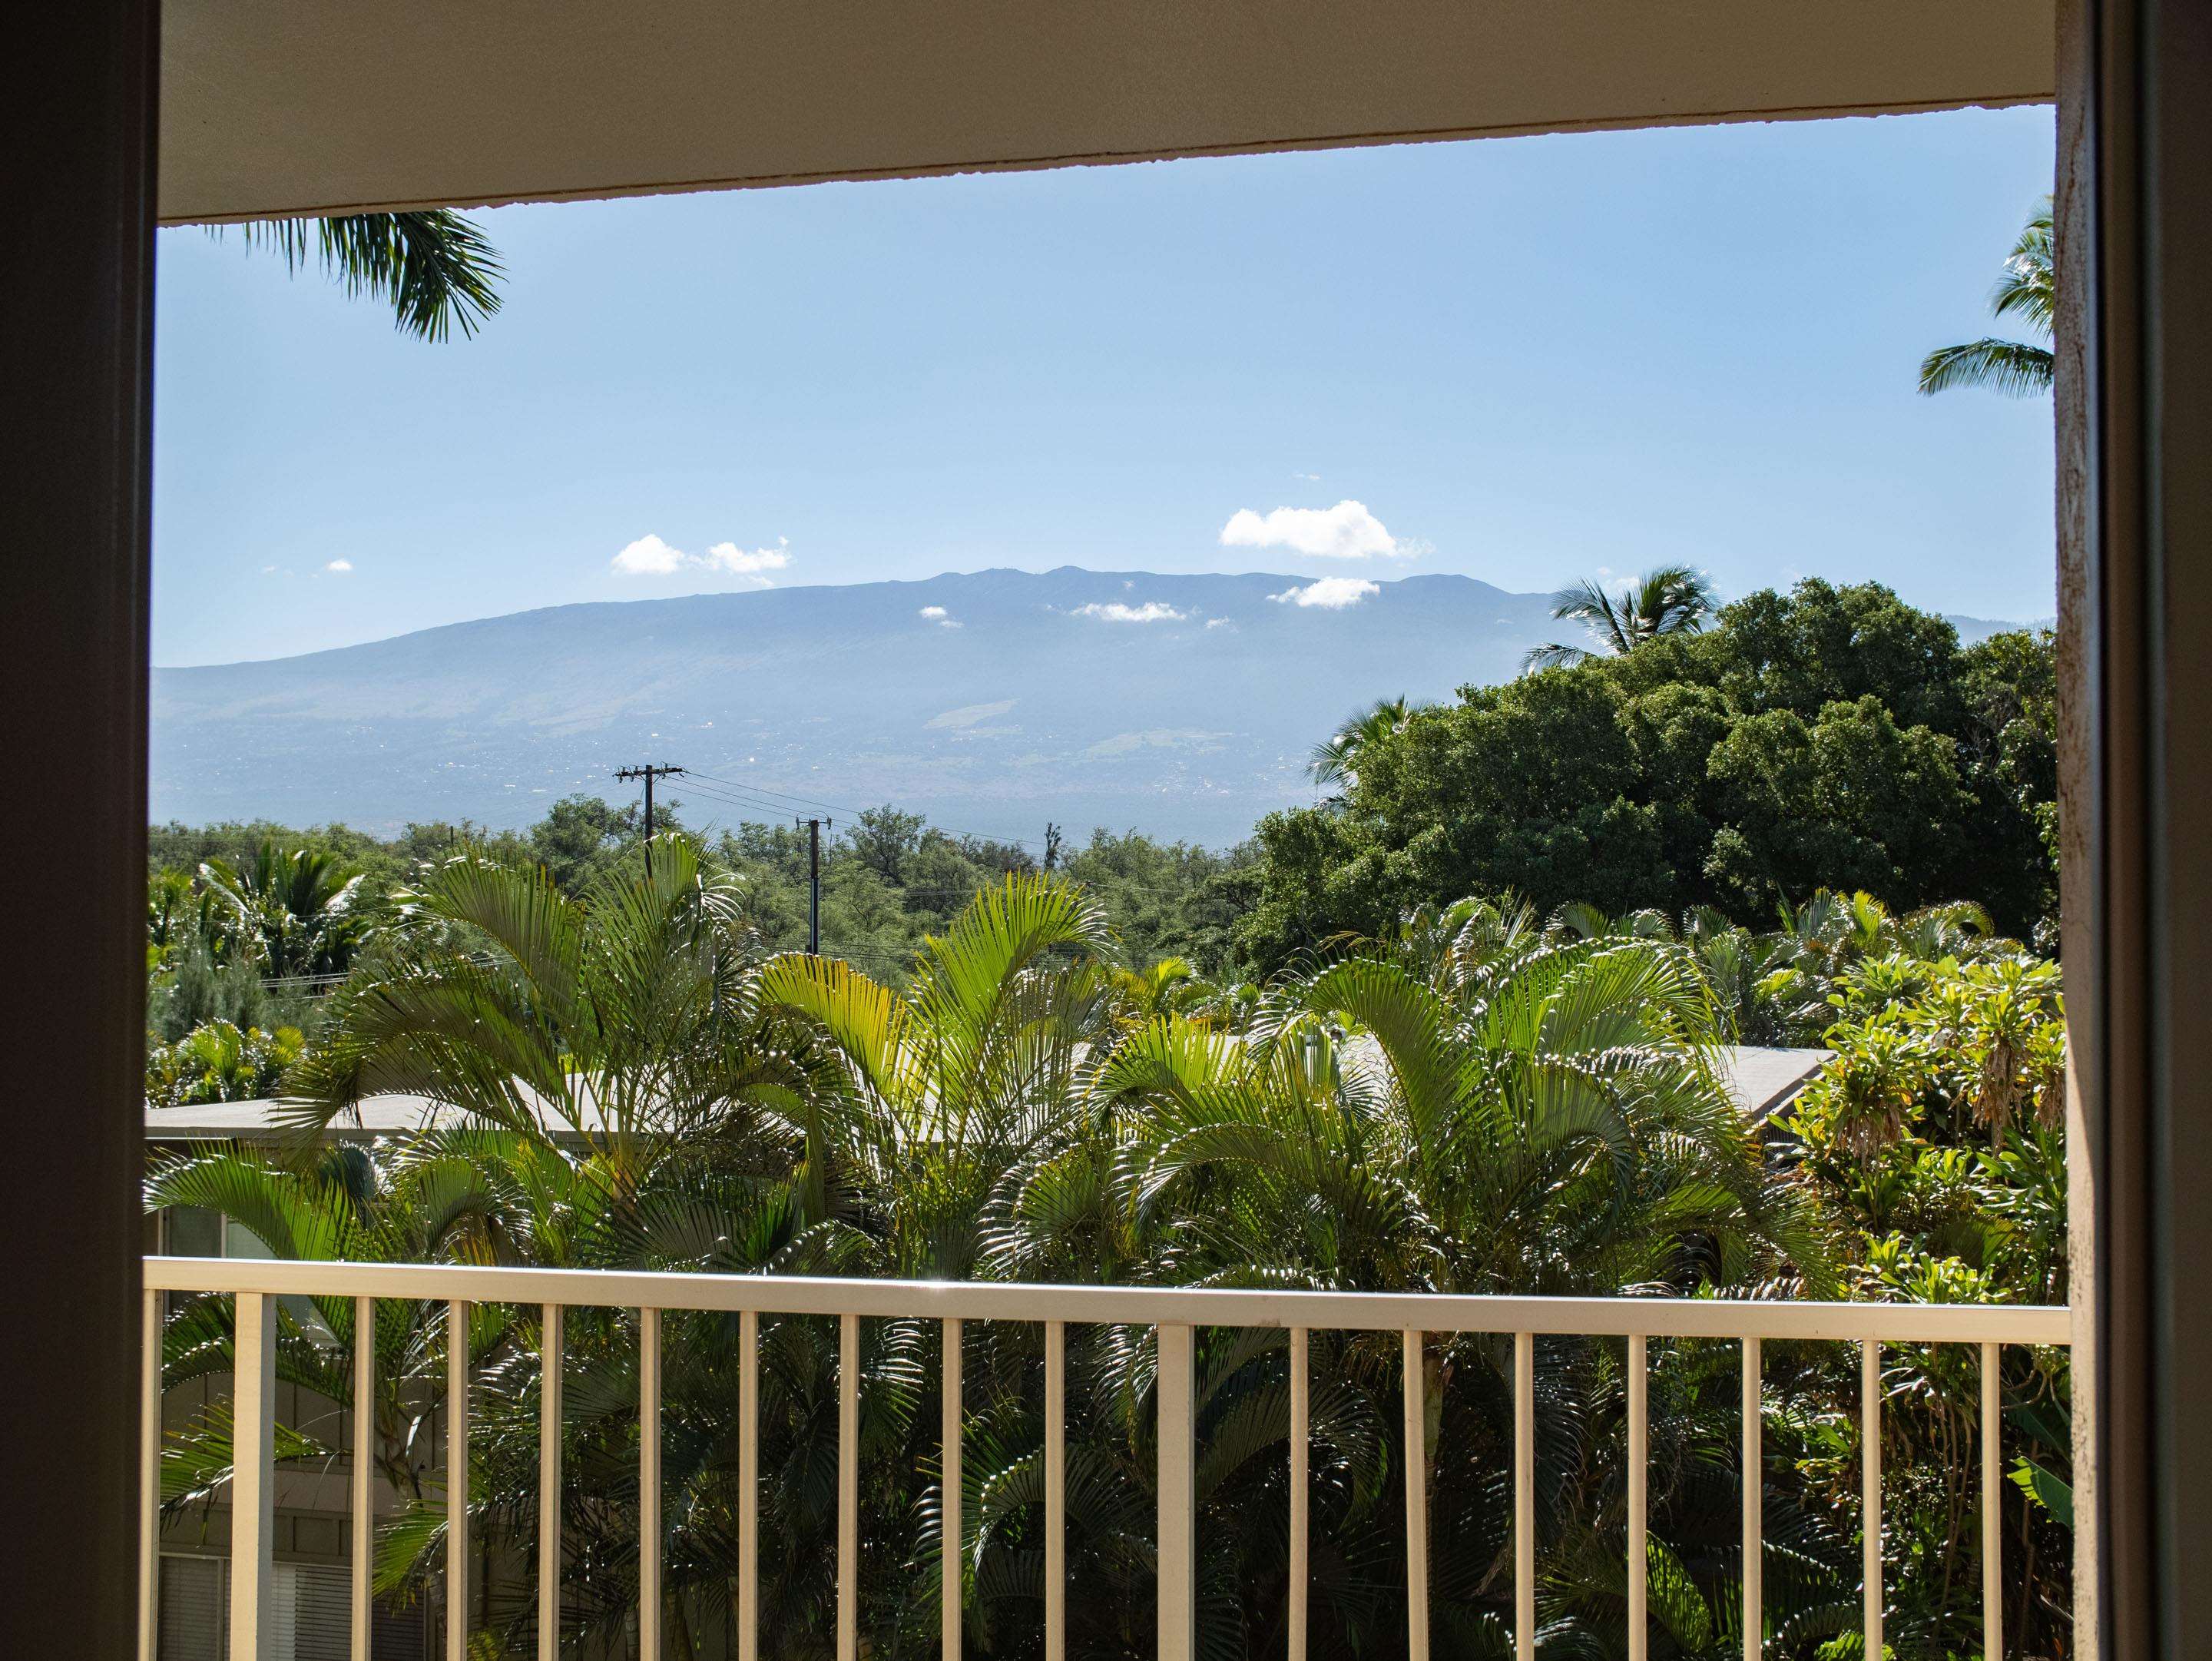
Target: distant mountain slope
(1974, 630)
(992, 701)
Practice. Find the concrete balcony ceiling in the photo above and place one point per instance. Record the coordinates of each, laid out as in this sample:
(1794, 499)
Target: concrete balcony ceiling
(269, 108)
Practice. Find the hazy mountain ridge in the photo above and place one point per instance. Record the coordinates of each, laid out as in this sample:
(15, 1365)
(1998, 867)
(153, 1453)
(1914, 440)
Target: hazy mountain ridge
(1031, 697)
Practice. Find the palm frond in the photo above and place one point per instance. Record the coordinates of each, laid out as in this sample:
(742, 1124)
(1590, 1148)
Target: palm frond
(2010, 367)
(1555, 656)
(435, 266)
(2029, 290)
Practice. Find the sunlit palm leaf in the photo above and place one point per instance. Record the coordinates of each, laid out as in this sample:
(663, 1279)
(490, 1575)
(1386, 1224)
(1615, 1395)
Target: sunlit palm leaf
(434, 266)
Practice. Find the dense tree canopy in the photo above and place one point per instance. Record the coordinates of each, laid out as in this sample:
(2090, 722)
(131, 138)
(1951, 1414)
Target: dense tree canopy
(1829, 737)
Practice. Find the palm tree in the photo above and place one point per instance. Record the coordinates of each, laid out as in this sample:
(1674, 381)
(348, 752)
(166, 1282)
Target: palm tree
(1674, 599)
(1335, 759)
(946, 1086)
(434, 265)
(2027, 289)
(288, 914)
(626, 1017)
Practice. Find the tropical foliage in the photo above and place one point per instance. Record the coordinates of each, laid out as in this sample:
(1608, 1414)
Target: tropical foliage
(1480, 1099)
(2028, 290)
(1335, 760)
(218, 1062)
(1674, 599)
(433, 266)
(1935, 1141)
(1827, 737)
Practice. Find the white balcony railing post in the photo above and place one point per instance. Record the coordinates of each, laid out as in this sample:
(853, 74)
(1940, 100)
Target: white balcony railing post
(848, 1488)
(749, 1486)
(1301, 1445)
(253, 1477)
(552, 1345)
(1754, 1484)
(1175, 1392)
(648, 1485)
(1415, 1430)
(362, 1612)
(950, 1562)
(149, 1474)
(1992, 1518)
(1871, 1494)
(1056, 1491)
(1639, 1464)
(1524, 1496)
(457, 1480)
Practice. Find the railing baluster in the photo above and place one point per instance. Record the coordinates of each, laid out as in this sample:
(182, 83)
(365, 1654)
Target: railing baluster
(1417, 1503)
(1056, 1491)
(1178, 1561)
(1754, 1484)
(648, 1485)
(361, 1610)
(1524, 1496)
(551, 1354)
(1871, 1494)
(1992, 1518)
(149, 1474)
(1639, 1464)
(848, 1488)
(254, 1476)
(1301, 1441)
(749, 1486)
(950, 1570)
(457, 1480)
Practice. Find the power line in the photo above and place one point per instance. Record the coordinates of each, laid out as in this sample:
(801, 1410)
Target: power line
(778, 811)
(762, 790)
(854, 812)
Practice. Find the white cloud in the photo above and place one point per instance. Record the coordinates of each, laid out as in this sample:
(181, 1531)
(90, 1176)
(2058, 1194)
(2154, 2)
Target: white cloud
(1152, 610)
(1329, 593)
(938, 615)
(1219, 623)
(649, 557)
(728, 556)
(1346, 531)
(341, 566)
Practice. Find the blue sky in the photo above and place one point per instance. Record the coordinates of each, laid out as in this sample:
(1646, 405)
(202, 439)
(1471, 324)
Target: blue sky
(1527, 360)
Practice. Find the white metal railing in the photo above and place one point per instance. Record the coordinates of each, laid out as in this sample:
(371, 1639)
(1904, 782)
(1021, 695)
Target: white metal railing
(1174, 1313)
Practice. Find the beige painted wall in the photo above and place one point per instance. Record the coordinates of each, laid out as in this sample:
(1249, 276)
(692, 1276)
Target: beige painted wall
(272, 106)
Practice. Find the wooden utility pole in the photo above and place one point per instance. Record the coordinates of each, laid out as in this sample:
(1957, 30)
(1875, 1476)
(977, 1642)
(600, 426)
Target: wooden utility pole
(648, 773)
(814, 888)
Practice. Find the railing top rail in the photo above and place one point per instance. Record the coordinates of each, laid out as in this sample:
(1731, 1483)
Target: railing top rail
(1125, 1305)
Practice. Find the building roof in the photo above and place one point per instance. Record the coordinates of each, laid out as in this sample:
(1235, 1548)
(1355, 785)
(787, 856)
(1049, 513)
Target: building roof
(1765, 1081)
(259, 1120)
(1761, 1080)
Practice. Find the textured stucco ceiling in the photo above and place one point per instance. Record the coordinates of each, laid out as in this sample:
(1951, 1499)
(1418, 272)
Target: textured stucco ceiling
(273, 107)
